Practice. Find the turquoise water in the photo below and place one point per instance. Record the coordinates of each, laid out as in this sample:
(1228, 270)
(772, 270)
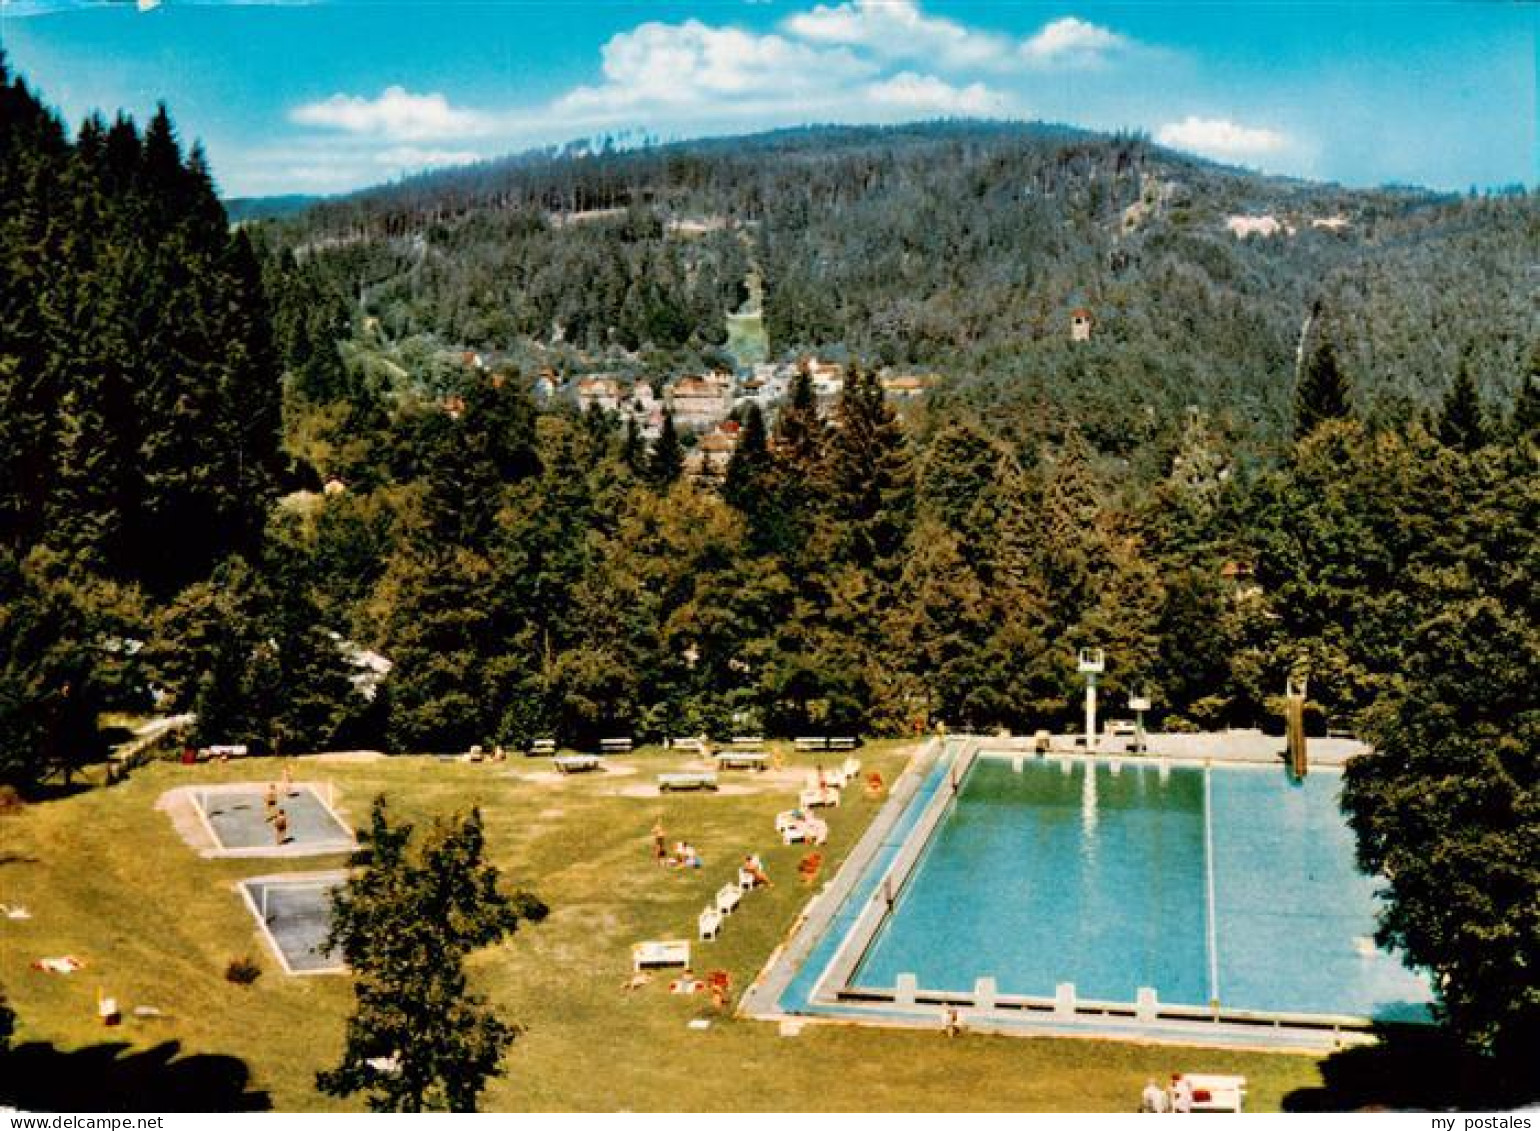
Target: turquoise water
(1064, 871)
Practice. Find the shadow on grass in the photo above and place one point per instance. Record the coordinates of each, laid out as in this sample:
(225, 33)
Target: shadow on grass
(40, 1077)
(1413, 1068)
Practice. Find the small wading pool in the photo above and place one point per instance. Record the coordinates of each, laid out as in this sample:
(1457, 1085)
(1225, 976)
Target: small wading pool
(294, 913)
(1229, 891)
(238, 818)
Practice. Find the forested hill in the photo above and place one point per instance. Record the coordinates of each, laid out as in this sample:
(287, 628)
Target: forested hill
(960, 248)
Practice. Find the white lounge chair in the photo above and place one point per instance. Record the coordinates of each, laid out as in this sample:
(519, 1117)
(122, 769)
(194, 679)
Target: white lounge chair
(1217, 1093)
(660, 952)
(728, 898)
(710, 923)
(746, 879)
(809, 831)
(813, 798)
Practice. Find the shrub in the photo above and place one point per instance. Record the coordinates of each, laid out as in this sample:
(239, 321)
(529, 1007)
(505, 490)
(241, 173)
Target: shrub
(242, 971)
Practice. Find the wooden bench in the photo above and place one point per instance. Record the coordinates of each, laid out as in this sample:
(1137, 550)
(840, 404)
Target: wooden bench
(578, 763)
(615, 745)
(542, 747)
(663, 952)
(747, 741)
(810, 743)
(741, 759)
(695, 744)
(668, 782)
(844, 743)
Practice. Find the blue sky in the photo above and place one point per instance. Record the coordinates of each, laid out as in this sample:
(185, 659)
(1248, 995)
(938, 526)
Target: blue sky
(337, 94)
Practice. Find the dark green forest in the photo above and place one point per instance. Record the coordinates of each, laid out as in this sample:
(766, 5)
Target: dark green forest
(1309, 452)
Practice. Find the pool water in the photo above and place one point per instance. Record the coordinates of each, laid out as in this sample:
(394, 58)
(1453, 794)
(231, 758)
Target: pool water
(1068, 870)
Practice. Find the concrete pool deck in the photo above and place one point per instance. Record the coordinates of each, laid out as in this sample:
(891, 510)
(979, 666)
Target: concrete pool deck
(811, 976)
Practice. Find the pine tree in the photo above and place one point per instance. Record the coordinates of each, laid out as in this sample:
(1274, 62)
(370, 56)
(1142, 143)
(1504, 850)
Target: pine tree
(747, 486)
(633, 451)
(1459, 423)
(666, 464)
(871, 475)
(1323, 392)
(1525, 420)
(404, 923)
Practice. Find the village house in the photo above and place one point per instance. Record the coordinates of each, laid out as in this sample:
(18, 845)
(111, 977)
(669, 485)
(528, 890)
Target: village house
(698, 403)
(715, 450)
(1081, 320)
(902, 387)
(828, 378)
(601, 390)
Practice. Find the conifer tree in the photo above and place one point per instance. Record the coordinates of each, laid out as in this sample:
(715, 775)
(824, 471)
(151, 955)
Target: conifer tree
(1459, 423)
(1323, 391)
(633, 451)
(871, 475)
(746, 486)
(1525, 420)
(666, 464)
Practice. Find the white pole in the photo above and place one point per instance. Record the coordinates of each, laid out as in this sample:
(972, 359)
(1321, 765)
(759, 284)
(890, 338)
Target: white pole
(1090, 711)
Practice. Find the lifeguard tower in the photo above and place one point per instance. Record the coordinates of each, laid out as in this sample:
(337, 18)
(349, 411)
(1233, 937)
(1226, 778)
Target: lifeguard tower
(1092, 663)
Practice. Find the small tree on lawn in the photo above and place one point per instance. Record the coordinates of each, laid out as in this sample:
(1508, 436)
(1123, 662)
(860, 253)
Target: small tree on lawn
(404, 923)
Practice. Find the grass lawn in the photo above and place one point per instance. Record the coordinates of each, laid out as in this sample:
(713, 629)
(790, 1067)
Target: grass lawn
(108, 879)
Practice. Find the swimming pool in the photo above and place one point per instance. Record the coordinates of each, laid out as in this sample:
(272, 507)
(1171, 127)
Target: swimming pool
(1142, 891)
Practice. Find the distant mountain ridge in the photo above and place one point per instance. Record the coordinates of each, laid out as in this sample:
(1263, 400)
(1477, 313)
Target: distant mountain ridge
(959, 247)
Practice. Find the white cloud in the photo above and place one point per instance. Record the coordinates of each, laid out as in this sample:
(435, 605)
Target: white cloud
(898, 29)
(928, 94)
(702, 68)
(397, 114)
(1071, 40)
(1221, 138)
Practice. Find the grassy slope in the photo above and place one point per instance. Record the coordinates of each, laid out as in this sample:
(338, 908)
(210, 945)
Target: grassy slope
(107, 878)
